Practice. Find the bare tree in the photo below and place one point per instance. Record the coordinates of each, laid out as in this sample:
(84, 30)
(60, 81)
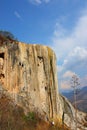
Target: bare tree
(74, 84)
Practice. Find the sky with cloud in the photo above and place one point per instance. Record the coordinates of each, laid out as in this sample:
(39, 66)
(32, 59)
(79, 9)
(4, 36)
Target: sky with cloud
(62, 25)
(39, 1)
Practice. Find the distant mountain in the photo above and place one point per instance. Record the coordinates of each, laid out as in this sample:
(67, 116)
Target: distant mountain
(81, 98)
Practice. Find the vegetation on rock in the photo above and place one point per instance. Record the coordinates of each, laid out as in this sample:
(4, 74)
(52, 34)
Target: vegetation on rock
(12, 117)
(6, 36)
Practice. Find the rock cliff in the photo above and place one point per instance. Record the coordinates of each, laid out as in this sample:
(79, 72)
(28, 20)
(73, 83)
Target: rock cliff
(28, 74)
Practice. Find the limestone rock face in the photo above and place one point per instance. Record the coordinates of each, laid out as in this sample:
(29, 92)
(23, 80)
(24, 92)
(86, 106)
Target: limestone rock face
(28, 74)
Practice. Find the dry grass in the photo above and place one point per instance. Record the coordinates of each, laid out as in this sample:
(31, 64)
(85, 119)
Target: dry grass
(13, 118)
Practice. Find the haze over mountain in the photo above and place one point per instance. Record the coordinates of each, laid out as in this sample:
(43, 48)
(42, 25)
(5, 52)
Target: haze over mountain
(81, 98)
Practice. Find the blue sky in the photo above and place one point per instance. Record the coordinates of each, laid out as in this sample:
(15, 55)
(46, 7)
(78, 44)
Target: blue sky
(60, 24)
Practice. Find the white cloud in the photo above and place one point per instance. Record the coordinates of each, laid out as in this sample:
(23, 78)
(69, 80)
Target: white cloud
(39, 1)
(17, 15)
(65, 85)
(68, 74)
(80, 31)
(71, 50)
(83, 81)
(64, 41)
(76, 60)
(80, 52)
(47, 1)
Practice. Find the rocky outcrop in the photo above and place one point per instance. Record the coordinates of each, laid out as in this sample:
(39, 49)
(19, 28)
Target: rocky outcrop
(74, 119)
(28, 74)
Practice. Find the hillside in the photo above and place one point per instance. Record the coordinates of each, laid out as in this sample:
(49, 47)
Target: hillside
(12, 117)
(81, 98)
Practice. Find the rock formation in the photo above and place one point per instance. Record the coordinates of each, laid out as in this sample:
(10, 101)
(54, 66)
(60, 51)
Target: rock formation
(28, 74)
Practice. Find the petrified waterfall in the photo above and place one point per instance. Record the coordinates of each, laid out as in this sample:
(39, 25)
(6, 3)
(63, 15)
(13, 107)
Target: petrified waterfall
(28, 74)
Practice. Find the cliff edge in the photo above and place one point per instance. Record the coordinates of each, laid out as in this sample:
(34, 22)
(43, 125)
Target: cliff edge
(28, 75)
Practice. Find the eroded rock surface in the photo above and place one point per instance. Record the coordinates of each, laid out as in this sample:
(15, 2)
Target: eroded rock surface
(28, 74)
(74, 119)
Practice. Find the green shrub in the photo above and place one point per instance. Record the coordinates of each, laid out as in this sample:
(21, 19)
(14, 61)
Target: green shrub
(30, 116)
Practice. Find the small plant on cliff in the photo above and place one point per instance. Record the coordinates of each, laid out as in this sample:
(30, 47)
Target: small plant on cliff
(30, 116)
(6, 35)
